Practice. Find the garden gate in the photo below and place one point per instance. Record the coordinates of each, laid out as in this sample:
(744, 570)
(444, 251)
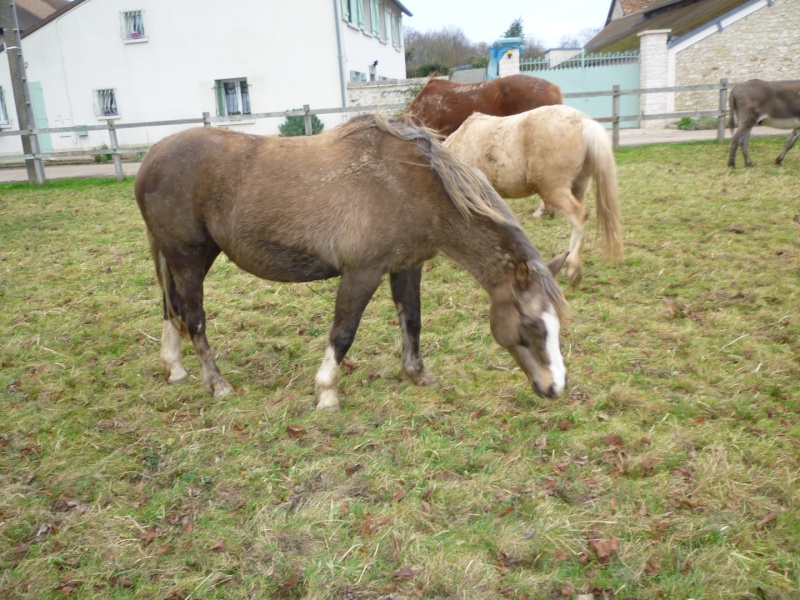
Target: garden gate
(583, 73)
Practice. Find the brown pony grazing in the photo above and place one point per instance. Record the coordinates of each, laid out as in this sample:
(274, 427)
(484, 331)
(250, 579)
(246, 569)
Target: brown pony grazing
(443, 106)
(552, 151)
(368, 198)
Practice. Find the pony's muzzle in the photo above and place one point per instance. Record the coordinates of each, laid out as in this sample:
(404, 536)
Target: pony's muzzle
(551, 392)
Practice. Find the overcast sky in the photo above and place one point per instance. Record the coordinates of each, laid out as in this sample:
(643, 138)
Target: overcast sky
(483, 21)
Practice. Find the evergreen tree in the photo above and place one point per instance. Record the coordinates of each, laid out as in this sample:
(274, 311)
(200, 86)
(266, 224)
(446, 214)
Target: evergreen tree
(515, 31)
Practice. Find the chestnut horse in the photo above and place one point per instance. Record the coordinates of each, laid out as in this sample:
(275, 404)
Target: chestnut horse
(552, 151)
(368, 198)
(443, 105)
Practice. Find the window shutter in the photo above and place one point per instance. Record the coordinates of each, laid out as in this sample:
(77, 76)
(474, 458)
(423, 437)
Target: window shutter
(346, 10)
(373, 18)
(220, 98)
(360, 13)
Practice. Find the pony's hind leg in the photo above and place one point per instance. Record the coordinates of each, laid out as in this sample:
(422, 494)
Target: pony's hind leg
(576, 214)
(354, 293)
(405, 292)
(186, 299)
(170, 356)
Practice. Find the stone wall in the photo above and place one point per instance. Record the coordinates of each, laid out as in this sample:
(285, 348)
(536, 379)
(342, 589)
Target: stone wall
(763, 44)
(388, 93)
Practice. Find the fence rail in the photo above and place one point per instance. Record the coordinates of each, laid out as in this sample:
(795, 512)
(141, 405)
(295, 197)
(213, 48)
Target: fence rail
(578, 61)
(206, 120)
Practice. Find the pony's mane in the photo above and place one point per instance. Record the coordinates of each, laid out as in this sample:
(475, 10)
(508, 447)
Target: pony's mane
(468, 188)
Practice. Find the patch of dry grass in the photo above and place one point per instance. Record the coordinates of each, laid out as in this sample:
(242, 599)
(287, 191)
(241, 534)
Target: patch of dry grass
(670, 470)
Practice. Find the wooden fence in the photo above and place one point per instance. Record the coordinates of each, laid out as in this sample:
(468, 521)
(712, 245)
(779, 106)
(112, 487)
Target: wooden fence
(36, 175)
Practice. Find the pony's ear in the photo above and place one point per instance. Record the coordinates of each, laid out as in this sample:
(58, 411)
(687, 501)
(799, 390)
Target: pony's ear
(556, 264)
(522, 274)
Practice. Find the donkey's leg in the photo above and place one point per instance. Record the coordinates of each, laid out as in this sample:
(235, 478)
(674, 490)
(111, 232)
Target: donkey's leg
(405, 292)
(788, 145)
(355, 290)
(170, 356)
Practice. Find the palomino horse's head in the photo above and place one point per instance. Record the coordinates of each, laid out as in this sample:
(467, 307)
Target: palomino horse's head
(526, 315)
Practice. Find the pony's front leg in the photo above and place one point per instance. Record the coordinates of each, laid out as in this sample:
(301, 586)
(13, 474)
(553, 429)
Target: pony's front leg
(355, 290)
(405, 292)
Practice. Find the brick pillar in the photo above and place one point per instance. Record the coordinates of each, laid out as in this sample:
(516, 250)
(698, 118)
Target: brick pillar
(653, 74)
(508, 63)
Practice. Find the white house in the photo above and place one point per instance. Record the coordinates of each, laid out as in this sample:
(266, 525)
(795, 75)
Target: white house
(152, 60)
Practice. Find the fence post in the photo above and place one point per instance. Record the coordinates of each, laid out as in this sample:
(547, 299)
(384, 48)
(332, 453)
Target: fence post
(615, 115)
(723, 106)
(112, 134)
(307, 120)
(206, 119)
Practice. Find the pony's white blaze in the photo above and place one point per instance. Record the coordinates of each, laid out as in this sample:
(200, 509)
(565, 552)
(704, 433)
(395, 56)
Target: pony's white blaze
(557, 368)
(325, 381)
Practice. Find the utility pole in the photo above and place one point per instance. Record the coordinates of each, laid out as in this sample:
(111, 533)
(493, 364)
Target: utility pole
(9, 29)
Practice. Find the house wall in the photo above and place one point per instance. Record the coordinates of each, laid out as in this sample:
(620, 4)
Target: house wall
(288, 54)
(759, 42)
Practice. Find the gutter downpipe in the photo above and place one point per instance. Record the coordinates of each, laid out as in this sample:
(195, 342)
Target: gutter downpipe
(341, 56)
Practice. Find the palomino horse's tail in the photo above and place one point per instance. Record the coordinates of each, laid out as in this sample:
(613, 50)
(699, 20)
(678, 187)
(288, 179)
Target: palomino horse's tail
(165, 282)
(600, 156)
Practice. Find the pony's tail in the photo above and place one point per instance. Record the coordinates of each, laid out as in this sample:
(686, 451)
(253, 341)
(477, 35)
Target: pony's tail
(165, 283)
(600, 154)
(731, 112)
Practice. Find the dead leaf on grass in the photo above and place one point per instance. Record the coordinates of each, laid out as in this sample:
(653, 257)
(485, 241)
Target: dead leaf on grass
(219, 546)
(295, 431)
(768, 518)
(567, 589)
(603, 549)
(45, 529)
(653, 566)
(149, 535)
(403, 574)
(614, 440)
(541, 442)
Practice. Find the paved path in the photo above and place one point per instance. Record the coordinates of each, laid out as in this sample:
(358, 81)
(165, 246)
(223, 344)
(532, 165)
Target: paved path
(627, 137)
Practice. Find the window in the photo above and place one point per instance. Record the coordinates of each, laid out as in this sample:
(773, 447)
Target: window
(233, 97)
(105, 103)
(3, 111)
(357, 76)
(353, 12)
(133, 25)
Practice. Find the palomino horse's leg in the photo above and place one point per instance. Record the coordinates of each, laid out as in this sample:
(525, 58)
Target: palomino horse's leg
(544, 211)
(355, 290)
(405, 292)
(170, 356)
(577, 215)
(788, 145)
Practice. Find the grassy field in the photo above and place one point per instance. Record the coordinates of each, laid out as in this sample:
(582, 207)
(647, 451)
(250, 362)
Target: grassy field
(669, 471)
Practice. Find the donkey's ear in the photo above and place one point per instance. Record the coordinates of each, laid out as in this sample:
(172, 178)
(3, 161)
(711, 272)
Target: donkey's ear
(522, 274)
(556, 264)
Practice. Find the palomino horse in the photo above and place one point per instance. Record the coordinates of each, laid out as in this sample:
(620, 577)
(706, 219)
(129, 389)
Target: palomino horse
(443, 105)
(370, 197)
(552, 151)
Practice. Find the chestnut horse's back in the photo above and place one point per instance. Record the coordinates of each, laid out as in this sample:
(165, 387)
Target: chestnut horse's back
(443, 105)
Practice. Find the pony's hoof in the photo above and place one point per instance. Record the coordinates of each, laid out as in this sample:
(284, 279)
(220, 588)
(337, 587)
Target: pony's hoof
(575, 277)
(177, 378)
(328, 400)
(222, 389)
(423, 377)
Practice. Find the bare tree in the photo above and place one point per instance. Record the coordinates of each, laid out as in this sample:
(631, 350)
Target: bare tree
(579, 40)
(439, 51)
